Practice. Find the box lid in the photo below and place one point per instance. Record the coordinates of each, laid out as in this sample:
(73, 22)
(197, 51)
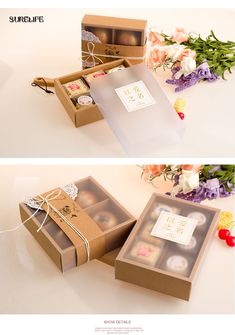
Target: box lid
(113, 22)
(137, 110)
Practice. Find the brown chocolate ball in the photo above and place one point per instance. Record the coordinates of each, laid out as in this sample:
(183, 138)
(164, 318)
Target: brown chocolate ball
(127, 38)
(105, 219)
(103, 35)
(86, 198)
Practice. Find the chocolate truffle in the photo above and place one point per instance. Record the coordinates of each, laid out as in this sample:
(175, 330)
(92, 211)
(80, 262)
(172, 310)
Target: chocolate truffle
(86, 198)
(104, 35)
(177, 264)
(145, 253)
(127, 38)
(189, 247)
(105, 219)
(76, 87)
(91, 76)
(162, 207)
(200, 217)
(115, 69)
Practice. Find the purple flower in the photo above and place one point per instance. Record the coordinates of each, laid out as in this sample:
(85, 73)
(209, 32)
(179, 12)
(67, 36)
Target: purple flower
(202, 72)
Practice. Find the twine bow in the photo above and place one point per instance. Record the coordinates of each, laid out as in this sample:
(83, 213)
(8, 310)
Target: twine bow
(46, 201)
(90, 54)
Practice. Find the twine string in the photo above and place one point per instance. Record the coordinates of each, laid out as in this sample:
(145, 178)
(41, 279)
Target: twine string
(47, 200)
(90, 53)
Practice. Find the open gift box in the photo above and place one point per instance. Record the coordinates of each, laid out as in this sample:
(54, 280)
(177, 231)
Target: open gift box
(107, 38)
(71, 88)
(77, 223)
(166, 248)
(130, 100)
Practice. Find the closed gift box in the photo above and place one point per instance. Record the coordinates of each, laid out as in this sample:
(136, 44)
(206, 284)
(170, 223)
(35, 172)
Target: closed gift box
(107, 38)
(165, 249)
(77, 223)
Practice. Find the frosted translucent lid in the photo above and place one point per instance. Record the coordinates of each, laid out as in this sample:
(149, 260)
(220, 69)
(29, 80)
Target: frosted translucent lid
(170, 235)
(137, 110)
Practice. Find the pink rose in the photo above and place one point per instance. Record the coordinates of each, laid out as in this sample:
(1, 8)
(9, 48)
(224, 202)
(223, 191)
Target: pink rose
(188, 53)
(156, 38)
(180, 36)
(193, 168)
(156, 57)
(152, 171)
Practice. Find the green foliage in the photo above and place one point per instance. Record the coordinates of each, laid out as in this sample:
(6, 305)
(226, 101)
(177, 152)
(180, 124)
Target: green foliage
(219, 55)
(224, 173)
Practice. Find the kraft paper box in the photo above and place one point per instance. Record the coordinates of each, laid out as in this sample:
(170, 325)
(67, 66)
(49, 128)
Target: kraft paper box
(84, 222)
(165, 249)
(74, 86)
(106, 38)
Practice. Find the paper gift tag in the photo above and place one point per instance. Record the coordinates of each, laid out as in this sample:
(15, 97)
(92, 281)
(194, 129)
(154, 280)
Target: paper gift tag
(135, 96)
(175, 228)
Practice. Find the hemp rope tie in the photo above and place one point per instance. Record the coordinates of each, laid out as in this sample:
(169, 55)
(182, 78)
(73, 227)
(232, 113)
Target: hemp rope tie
(46, 201)
(94, 56)
(42, 88)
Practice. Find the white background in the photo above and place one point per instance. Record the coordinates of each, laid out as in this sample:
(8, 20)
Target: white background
(34, 124)
(61, 324)
(31, 283)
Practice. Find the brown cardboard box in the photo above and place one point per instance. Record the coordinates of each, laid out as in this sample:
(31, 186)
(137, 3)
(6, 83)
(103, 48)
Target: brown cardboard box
(110, 257)
(105, 232)
(85, 114)
(106, 38)
(160, 264)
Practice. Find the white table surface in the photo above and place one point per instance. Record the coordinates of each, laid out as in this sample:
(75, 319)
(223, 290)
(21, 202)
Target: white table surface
(31, 283)
(34, 124)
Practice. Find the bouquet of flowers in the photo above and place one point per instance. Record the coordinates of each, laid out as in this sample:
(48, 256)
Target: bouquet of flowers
(190, 57)
(195, 182)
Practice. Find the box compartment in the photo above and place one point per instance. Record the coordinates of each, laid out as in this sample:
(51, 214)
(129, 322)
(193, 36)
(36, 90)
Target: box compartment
(85, 114)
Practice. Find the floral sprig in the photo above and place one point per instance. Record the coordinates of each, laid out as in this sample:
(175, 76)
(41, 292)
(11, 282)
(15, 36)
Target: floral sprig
(190, 57)
(195, 182)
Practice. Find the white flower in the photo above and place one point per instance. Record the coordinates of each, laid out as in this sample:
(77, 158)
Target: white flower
(173, 51)
(188, 65)
(188, 181)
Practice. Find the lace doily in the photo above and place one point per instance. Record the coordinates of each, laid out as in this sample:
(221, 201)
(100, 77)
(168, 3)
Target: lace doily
(90, 37)
(70, 189)
(89, 64)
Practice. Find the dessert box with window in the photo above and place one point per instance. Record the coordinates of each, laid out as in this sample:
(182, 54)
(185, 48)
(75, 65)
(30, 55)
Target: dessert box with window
(89, 211)
(167, 245)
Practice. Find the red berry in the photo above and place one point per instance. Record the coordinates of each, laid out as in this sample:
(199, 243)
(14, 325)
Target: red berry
(181, 115)
(224, 234)
(230, 240)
